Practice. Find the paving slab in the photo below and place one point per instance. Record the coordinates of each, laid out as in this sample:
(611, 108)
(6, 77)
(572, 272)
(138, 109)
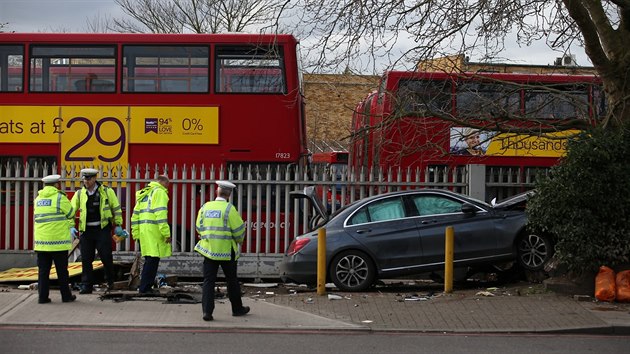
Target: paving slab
(23, 309)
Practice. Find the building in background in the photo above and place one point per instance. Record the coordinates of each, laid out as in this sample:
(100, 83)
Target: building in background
(330, 102)
(459, 62)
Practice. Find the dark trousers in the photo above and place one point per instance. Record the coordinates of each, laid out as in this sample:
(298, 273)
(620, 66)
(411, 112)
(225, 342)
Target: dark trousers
(44, 264)
(210, 269)
(149, 272)
(96, 239)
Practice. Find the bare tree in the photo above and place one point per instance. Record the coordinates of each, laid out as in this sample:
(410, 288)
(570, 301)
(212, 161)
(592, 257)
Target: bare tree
(98, 24)
(190, 16)
(343, 30)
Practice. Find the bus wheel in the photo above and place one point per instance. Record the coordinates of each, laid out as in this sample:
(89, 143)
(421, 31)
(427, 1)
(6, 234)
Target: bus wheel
(534, 251)
(352, 271)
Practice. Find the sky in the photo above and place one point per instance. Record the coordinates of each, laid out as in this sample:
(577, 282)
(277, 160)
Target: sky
(44, 15)
(72, 16)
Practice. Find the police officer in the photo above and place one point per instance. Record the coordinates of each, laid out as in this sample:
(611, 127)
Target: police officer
(221, 231)
(99, 212)
(149, 225)
(52, 217)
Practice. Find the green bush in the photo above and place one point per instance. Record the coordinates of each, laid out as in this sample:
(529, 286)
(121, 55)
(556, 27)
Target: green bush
(584, 202)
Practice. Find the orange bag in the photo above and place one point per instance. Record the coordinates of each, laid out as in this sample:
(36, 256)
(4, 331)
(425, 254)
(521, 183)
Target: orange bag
(623, 286)
(605, 284)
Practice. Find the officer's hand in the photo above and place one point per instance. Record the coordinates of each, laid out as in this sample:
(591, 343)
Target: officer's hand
(73, 232)
(119, 231)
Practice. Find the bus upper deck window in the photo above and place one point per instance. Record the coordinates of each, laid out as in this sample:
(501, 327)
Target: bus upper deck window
(250, 69)
(11, 65)
(73, 68)
(172, 68)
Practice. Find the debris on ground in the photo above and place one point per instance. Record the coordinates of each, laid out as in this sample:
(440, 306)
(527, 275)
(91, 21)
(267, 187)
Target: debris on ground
(261, 285)
(484, 293)
(170, 297)
(32, 286)
(582, 297)
(415, 298)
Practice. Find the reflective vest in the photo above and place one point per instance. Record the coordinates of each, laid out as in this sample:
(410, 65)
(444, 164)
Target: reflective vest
(52, 218)
(221, 230)
(110, 209)
(149, 222)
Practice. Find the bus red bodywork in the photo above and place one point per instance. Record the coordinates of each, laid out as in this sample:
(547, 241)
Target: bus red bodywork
(384, 136)
(149, 100)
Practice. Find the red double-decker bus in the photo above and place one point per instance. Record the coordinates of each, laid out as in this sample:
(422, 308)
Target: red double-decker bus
(108, 99)
(338, 158)
(424, 119)
(150, 101)
(334, 165)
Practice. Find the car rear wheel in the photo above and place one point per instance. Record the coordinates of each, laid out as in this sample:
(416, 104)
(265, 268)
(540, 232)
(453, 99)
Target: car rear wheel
(534, 251)
(352, 271)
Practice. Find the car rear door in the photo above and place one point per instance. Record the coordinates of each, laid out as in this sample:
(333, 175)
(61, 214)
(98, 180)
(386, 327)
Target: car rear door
(475, 233)
(385, 229)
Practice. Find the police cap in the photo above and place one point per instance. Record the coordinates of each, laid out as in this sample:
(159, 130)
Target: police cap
(226, 185)
(88, 172)
(51, 179)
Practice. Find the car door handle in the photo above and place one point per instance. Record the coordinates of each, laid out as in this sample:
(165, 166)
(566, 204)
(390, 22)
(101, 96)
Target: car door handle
(426, 222)
(361, 231)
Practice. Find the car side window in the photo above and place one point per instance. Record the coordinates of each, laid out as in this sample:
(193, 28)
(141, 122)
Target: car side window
(381, 210)
(435, 205)
(360, 217)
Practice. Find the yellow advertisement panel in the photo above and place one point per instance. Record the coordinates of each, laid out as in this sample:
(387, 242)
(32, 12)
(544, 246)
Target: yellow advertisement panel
(95, 136)
(93, 133)
(39, 124)
(474, 142)
(99, 136)
(174, 125)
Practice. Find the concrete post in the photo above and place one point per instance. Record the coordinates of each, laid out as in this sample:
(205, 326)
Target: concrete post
(477, 181)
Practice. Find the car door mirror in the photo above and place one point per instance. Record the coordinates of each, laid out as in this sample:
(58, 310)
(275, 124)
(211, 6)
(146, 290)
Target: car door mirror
(468, 208)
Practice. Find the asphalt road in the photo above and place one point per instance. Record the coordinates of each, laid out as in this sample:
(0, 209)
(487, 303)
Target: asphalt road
(161, 340)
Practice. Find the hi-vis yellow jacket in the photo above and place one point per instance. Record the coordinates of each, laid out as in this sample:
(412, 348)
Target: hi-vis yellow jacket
(110, 208)
(149, 222)
(221, 229)
(52, 219)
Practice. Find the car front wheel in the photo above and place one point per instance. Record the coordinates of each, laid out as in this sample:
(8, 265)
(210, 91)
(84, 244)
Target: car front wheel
(352, 271)
(534, 251)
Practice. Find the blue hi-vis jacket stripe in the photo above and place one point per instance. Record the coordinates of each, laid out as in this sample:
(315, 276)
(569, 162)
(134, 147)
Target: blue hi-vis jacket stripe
(203, 250)
(52, 243)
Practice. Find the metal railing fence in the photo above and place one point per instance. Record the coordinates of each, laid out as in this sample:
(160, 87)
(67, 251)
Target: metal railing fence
(262, 196)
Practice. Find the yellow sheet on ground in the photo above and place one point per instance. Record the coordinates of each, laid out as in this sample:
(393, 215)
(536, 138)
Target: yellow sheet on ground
(30, 274)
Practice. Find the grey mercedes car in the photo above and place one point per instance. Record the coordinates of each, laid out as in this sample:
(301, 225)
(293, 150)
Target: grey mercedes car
(403, 233)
